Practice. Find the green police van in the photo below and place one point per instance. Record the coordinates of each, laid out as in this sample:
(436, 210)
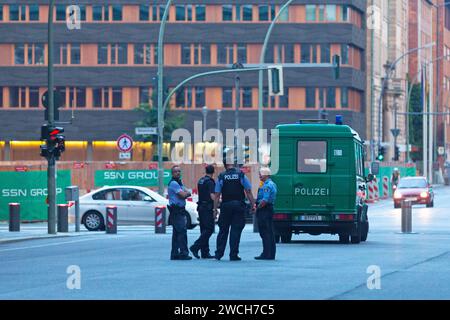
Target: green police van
(321, 182)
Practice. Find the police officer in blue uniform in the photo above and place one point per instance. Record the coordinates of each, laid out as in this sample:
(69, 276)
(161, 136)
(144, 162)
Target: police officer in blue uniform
(233, 185)
(206, 195)
(264, 212)
(178, 216)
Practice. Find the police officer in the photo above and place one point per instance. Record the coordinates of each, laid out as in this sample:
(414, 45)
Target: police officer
(233, 185)
(177, 202)
(206, 195)
(264, 212)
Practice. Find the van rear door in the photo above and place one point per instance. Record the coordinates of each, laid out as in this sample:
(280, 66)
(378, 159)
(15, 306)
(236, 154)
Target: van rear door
(311, 182)
(342, 174)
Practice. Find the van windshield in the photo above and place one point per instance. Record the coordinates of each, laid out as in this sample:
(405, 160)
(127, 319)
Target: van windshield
(312, 157)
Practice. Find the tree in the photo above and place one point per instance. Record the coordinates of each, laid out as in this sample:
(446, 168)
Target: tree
(416, 121)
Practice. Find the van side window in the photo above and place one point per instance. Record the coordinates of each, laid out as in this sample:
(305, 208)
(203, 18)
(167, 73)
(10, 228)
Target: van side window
(312, 157)
(359, 160)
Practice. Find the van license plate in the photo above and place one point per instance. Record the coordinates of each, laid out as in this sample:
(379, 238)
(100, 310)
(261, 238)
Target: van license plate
(310, 218)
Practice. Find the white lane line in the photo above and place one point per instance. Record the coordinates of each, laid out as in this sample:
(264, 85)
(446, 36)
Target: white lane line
(54, 244)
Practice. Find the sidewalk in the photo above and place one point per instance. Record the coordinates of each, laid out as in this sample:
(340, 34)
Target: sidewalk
(32, 231)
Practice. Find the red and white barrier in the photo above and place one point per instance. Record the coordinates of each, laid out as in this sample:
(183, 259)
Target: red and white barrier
(385, 187)
(111, 219)
(376, 190)
(370, 193)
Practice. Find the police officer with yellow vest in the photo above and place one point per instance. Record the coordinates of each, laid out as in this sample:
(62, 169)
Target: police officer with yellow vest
(264, 212)
(233, 185)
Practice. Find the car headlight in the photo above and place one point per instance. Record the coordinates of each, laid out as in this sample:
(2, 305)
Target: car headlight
(397, 195)
(424, 194)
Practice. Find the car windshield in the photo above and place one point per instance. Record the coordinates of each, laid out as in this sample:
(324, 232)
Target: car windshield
(412, 183)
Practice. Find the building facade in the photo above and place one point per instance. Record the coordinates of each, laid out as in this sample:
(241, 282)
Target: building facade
(105, 69)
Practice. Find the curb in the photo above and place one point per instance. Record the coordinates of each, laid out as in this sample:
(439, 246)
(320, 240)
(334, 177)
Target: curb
(2, 241)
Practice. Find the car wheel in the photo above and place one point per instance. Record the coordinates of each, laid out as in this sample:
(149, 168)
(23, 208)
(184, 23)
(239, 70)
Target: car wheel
(93, 221)
(365, 230)
(356, 238)
(286, 237)
(344, 238)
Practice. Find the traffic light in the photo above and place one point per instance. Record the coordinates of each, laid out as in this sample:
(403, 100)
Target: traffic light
(336, 66)
(58, 101)
(396, 153)
(276, 86)
(381, 152)
(54, 142)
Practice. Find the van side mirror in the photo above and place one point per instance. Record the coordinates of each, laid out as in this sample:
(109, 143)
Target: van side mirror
(370, 177)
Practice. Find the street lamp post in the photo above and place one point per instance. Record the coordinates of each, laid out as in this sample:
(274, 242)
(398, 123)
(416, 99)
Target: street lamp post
(389, 69)
(160, 99)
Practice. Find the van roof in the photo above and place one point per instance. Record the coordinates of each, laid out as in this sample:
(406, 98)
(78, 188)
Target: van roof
(317, 130)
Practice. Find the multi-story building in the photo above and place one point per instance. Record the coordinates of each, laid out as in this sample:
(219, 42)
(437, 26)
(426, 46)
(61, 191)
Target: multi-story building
(105, 69)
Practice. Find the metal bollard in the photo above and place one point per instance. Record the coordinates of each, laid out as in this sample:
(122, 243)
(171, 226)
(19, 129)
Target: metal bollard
(160, 219)
(73, 194)
(111, 219)
(406, 216)
(14, 217)
(63, 218)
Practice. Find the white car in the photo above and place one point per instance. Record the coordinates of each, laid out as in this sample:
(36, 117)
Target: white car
(134, 205)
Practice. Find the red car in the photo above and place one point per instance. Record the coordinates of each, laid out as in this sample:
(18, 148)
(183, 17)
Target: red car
(416, 189)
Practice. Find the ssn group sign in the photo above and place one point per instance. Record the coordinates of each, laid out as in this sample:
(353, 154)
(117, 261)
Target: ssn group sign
(30, 190)
(143, 178)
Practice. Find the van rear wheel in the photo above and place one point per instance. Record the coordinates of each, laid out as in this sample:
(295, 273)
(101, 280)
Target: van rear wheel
(286, 237)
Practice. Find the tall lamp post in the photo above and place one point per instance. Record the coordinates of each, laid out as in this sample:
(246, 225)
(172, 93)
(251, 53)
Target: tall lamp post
(389, 69)
(160, 99)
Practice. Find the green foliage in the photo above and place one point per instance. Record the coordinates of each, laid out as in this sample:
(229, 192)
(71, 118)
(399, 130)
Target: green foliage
(150, 119)
(416, 121)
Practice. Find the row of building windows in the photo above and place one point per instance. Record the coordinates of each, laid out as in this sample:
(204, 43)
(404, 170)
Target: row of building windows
(190, 54)
(186, 98)
(187, 13)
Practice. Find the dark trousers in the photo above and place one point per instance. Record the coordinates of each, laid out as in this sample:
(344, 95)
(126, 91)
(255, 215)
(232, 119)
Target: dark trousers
(206, 216)
(265, 225)
(232, 221)
(179, 233)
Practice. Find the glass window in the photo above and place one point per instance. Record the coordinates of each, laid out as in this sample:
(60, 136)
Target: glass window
(138, 53)
(321, 12)
(14, 97)
(117, 12)
(247, 97)
(30, 54)
(81, 97)
(180, 13)
(60, 12)
(310, 97)
(272, 12)
(13, 12)
(344, 97)
(197, 49)
(206, 54)
(97, 97)
(331, 12)
(1, 17)
(310, 12)
(189, 12)
(247, 12)
(122, 53)
(263, 12)
(162, 8)
(82, 12)
(102, 57)
(34, 12)
(322, 93)
(185, 54)
(144, 95)
(117, 97)
(325, 53)
(39, 54)
(199, 97)
(221, 54)
(344, 53)
(238, 10)
(270, 54)
(200, 12)
(314, 54)
(305, 53)
(288, 53)
(34, 97)
(189, 97)
(97, 13)
(284, 99)
(75, 54)
(19, 54)
(227, 12)
(312, 157)
(345, 11)
(284, 16)
(331, 97)
(227, 97)
(143, 12)
(242, 53)
(1, 97)
(180, 100)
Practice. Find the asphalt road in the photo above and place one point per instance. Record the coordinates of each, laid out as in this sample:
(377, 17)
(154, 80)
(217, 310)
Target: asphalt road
(134, 264)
